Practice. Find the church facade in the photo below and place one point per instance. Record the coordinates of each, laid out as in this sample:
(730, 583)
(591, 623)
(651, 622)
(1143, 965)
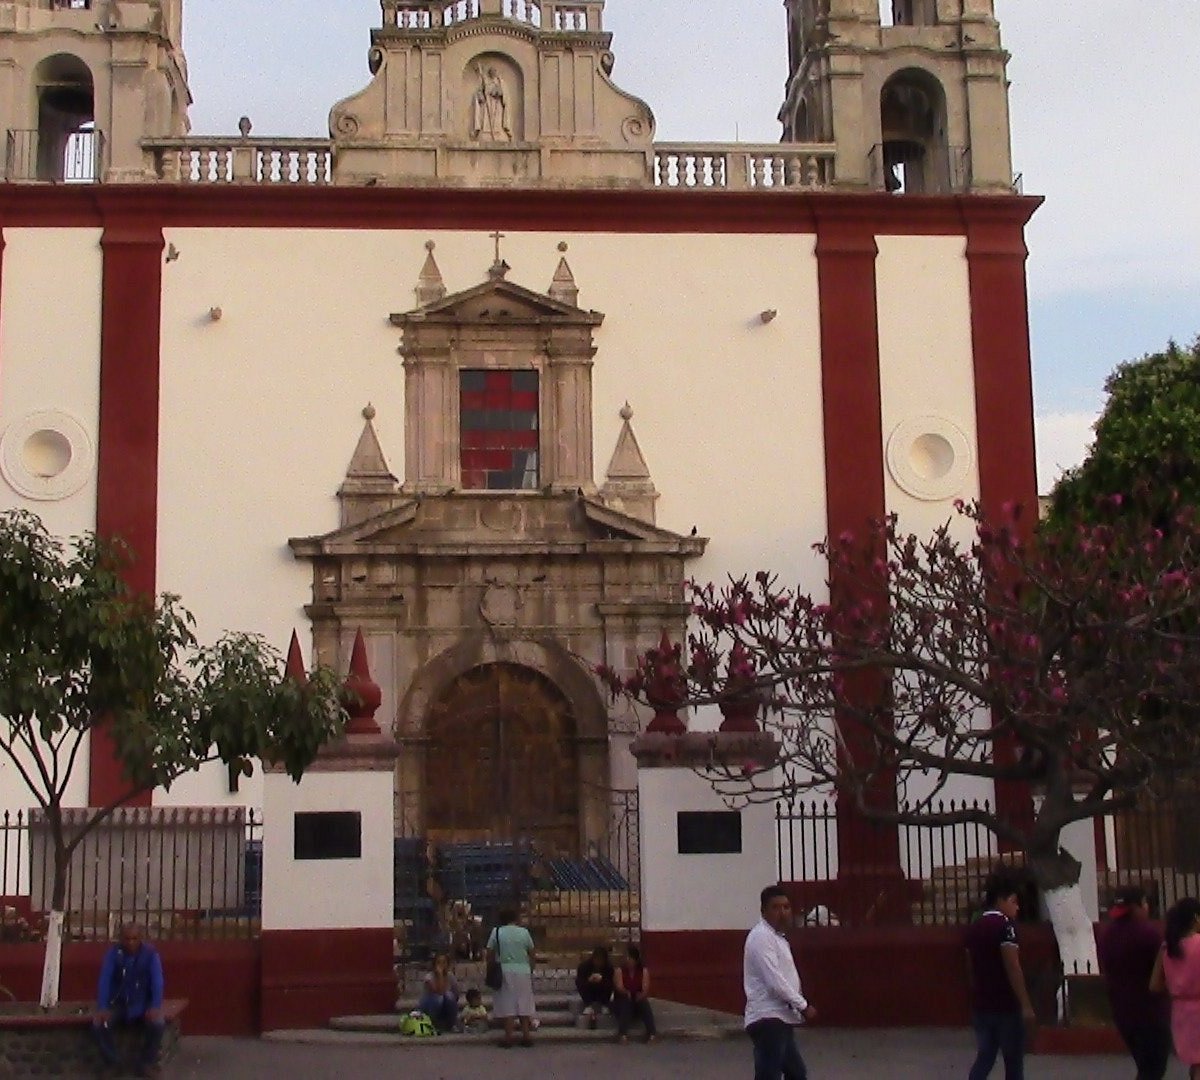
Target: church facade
(488, 374)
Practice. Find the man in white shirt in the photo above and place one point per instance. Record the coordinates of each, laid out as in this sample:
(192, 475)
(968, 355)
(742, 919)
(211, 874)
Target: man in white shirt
(775, 1004)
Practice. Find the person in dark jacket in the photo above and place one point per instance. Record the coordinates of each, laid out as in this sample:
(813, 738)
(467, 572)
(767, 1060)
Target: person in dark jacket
(1129, 947)
(130, 992)
(594, 981)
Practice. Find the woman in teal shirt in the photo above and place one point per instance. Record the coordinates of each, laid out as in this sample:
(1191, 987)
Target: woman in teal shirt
(512, 945)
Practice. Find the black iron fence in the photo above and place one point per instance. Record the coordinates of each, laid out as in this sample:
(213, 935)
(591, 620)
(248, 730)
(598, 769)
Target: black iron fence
(1157, 846)
(922, 874)
(188, 872)
(930, 874)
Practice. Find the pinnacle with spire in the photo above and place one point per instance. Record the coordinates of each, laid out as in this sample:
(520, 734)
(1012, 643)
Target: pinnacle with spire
(368, 478)
(628, 486)
(563, 287)
(430, 286)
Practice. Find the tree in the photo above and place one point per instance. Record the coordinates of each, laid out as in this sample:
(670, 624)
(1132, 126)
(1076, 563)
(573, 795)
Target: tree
(79, 650)
(1147, 442)
(1056, 662)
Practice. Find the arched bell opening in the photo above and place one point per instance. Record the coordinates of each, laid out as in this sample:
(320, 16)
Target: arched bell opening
(66, 144)
(914, 153)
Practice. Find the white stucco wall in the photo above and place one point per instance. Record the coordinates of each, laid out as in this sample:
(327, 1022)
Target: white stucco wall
(50, 300)
(699, 892)
(927, 389)
(261, 410)
(328, 894)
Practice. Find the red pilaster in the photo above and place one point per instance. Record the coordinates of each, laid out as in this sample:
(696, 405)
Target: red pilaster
(127, 480)
(854, 476)
(996, 255)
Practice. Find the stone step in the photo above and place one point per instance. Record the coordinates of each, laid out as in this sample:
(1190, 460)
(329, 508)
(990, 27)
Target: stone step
(389, 1023)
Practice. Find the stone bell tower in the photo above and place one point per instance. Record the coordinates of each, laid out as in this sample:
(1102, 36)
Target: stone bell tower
(914, 93)
(82, 82)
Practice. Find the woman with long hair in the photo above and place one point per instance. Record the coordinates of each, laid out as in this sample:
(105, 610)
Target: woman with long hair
(631, 995)
(1178, 972)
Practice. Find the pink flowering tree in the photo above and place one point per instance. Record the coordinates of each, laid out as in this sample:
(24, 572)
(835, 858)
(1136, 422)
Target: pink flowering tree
(1063, 664)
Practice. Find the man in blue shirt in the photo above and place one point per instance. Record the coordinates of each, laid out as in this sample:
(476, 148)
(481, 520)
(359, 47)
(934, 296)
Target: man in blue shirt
(130, 992)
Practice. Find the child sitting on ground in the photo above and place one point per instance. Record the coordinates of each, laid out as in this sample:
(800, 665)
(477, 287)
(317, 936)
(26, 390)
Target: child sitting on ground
(474, 1017)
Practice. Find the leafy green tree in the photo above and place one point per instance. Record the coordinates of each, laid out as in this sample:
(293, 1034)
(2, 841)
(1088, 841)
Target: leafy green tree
(1147, 447)
(80, 650)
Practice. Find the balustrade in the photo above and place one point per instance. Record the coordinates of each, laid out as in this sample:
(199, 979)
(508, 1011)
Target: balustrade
(212, 161)
(734, 166)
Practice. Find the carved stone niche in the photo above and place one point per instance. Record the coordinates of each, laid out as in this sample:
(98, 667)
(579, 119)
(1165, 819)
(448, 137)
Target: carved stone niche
(497, 326)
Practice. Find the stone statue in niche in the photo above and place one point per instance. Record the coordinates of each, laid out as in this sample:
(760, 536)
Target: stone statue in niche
(490, 111)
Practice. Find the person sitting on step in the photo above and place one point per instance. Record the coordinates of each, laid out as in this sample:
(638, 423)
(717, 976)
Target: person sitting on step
(439, 998)
(594, 981)
(631, 995)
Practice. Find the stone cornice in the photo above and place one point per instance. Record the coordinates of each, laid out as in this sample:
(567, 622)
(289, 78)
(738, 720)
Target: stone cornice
(700, 749)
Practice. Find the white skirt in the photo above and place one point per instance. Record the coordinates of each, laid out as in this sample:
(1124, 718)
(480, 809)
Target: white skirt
(515, 996)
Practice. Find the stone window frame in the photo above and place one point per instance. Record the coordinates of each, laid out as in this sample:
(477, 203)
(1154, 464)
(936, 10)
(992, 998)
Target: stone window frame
(535, 332)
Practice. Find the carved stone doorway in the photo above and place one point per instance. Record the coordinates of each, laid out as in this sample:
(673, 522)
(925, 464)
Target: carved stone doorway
(501, 762)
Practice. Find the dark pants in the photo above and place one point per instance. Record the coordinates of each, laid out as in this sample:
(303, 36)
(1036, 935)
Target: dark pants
(628, 1010)
(442, 1009)
(595, 996)
(776, 1055)
(999, 1033)
(152, 1037)
(1150, 1047)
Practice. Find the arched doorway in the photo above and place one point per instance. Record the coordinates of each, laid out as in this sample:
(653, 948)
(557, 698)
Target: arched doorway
(501, 761)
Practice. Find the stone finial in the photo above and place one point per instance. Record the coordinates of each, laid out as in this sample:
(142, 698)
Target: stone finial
(740, 702)
(563, 287)
(294, 668)
(628, 486)
(369, 483)
(430, 286)
(361, 694)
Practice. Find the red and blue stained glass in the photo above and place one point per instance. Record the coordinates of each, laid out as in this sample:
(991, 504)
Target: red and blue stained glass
(498, 430)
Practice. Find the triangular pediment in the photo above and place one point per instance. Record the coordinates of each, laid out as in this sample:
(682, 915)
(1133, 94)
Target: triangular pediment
(466, 525)
(498, 301)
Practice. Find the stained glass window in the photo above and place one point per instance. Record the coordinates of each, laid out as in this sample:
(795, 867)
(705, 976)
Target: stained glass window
(498, 430)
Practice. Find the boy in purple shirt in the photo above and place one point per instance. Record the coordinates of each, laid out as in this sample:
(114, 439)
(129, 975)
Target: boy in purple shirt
(1129, 948)
(1000, 1005)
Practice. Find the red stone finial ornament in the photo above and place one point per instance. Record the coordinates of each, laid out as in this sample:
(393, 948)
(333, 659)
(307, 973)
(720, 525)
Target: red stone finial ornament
(665, 687)
(740, 702)
(361, 693)
(294, 668)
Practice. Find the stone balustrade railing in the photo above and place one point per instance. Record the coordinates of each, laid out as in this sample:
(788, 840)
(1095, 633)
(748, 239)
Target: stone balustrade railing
(692, 166)
(740, 166)
(557, 15)
(241, 161)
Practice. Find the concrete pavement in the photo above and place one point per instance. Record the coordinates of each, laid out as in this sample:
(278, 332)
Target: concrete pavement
(831, 1055)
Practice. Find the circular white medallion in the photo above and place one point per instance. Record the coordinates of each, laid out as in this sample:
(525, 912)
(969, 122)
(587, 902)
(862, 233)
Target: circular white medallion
(46, 455)
(929, 457)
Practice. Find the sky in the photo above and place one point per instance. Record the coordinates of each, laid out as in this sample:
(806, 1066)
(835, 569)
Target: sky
(1105, 95)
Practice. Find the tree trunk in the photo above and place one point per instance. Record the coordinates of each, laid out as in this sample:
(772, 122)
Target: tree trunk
(52, 967)
(1057, 876)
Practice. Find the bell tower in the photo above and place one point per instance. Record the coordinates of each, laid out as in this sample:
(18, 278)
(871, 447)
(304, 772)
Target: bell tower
(913, 93)
(82, 82)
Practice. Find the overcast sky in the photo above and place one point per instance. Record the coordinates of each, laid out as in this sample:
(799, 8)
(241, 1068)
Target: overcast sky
(1105, 101)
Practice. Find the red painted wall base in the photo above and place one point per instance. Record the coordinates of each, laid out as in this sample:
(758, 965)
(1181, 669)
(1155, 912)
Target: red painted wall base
(311, 976)
(855, 976)
(220, 979)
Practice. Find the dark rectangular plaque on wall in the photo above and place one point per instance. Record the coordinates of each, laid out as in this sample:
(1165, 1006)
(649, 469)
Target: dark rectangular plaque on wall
(717, 832)
(335, 835)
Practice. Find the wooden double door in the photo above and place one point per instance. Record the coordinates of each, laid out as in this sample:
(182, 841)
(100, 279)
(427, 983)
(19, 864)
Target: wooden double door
(501, 762)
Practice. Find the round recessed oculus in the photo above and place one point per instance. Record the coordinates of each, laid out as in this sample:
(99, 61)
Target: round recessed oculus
(46, 456)
(929, 457)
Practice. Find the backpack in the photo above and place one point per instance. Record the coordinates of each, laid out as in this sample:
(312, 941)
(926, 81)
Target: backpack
(416, 1025)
